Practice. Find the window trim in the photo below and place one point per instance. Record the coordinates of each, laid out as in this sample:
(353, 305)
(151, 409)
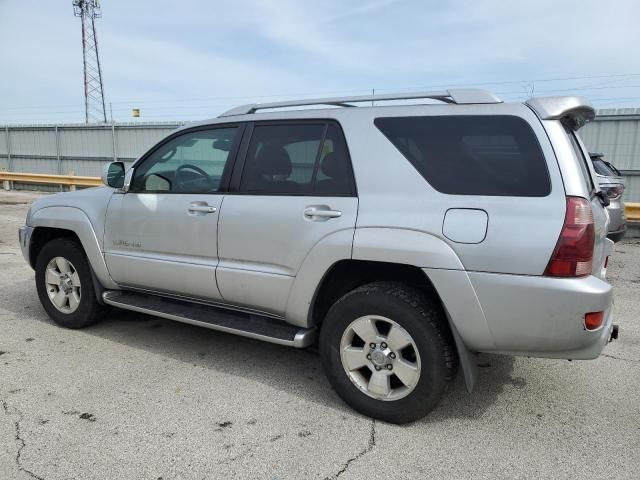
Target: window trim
(232, 159)
(238, 170)
(524, 120)
(576, 146)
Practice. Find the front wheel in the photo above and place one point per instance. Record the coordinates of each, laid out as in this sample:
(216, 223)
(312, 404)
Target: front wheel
(387, 351)
(65, 286)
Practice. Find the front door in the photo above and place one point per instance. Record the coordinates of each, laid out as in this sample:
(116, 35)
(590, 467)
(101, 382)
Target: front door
(162, 234)
(296, 188)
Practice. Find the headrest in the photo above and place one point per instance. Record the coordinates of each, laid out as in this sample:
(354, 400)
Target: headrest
(273, 160)
(332, 165)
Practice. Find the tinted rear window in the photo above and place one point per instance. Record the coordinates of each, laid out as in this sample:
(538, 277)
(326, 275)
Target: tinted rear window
(297, 159)
(472, 155)
(602, 168)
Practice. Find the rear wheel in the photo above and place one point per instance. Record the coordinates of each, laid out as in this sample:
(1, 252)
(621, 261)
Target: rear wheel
(65, 286)
(387, 350)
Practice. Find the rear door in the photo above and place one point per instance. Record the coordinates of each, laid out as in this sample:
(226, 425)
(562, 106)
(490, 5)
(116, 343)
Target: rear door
(294, 188)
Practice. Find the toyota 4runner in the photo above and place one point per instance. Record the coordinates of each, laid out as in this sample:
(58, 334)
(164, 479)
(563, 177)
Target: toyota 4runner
(403, 238)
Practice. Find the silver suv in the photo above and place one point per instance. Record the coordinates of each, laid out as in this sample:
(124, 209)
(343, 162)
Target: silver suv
(610, 181)
(404, 238)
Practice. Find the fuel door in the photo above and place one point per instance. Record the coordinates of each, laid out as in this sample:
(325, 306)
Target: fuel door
(465, 225)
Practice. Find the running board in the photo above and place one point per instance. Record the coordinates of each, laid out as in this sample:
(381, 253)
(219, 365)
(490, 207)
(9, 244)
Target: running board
(239, 323)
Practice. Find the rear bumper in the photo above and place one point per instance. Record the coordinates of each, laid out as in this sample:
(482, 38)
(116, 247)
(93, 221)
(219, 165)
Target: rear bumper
(24, 237)
(617, 220)
(544, 317)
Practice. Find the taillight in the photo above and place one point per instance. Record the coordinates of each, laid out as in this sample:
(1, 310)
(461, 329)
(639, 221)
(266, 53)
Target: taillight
(614, 192)
(593, 320)
(573, 255)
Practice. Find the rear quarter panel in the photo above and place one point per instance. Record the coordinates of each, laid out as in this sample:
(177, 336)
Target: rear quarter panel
(522, 231)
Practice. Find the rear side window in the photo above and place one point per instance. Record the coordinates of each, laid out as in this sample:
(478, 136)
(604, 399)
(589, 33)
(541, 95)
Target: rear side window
(494, 155)
(297, 159)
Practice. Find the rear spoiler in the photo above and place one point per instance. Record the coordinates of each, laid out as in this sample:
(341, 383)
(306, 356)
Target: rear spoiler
(574, 112)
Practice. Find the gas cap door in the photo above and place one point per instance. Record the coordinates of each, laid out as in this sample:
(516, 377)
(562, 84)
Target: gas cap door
(465, 225)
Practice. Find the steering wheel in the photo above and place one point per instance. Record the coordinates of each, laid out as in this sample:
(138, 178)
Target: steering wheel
(184, 183)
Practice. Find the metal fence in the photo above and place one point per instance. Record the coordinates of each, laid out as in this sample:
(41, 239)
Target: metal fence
(78, 149)
(83, 149)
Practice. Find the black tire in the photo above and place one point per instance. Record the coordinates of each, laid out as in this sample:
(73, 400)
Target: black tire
(616, 237)
(88, 311)
(422, 318)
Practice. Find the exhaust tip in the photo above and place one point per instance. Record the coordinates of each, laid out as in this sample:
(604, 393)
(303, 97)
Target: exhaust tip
(614, 332)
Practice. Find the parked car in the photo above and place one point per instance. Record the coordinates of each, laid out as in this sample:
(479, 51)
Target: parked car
(610, 181)
(405, 237)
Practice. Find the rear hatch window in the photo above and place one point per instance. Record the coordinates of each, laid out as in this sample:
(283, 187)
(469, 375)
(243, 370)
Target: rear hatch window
(496, 155)
(602, 168)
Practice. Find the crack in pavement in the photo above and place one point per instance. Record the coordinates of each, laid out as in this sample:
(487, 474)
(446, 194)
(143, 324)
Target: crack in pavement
(631, 360)
(370, 445)
(241, 455)
(18, 438)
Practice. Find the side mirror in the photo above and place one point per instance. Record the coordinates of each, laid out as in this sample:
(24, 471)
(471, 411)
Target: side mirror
(113, 175)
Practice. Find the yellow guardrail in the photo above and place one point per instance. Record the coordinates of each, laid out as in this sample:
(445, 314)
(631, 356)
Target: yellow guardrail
(46, 179)
(632, 211)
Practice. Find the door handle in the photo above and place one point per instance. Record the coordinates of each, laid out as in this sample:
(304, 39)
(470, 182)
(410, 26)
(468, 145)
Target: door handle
(202, 208)
(317, 212)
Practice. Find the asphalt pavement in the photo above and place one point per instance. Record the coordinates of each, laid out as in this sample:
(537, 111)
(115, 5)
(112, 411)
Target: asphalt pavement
(138, 397)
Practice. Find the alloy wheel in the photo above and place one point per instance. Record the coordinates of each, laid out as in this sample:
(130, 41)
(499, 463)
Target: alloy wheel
(63, 284)
(380, 357)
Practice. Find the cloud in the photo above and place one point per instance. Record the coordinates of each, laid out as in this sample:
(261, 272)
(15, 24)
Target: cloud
(162, 54)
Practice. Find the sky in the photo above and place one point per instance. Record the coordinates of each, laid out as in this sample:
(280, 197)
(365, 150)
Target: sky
(187, 60)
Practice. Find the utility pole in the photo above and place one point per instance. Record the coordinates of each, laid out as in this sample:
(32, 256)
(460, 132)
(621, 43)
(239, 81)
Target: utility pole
(94, 108)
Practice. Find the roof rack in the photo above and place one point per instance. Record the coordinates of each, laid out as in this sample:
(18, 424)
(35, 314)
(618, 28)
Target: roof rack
(461, 96)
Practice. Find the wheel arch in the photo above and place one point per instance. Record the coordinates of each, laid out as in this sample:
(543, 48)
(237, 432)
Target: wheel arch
(347, 275)
(43, 235)
(69, 222)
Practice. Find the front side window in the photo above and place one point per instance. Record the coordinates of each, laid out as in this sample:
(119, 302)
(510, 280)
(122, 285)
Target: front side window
(472, 155)
(297, 159)
(195, 162)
